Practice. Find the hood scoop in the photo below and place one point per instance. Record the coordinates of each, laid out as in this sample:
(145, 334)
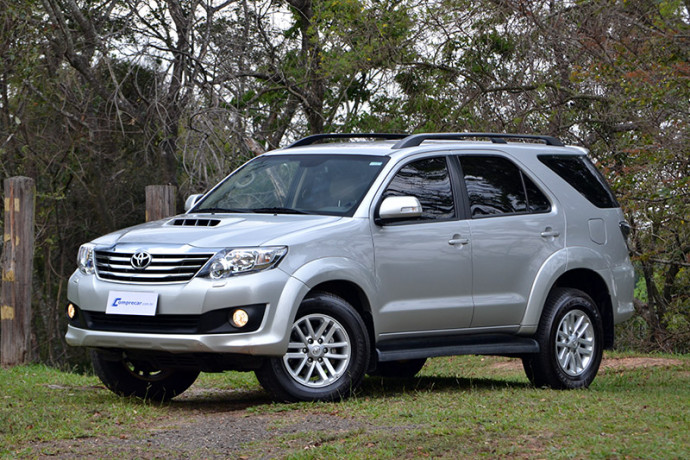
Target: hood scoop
(187, 222)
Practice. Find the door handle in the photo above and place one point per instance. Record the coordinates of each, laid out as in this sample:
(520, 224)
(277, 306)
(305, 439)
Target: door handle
(549, 233)
(457, 240)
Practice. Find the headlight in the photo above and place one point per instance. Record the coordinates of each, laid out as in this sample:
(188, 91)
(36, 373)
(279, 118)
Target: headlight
(85, 259)
(230, 262)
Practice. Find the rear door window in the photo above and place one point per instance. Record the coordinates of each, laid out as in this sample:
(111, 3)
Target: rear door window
(496, 186)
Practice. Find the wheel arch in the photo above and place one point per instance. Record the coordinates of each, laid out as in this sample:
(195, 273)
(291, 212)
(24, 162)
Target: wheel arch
(577, 268)
(592, 284)
(589, 282)
(339, 276)
(342, 277)
(353, 294)
(330, 304)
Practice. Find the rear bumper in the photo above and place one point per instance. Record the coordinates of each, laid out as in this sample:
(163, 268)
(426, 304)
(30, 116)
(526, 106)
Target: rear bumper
(623, 289)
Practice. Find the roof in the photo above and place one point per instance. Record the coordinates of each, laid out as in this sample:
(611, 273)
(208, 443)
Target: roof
(386, 144)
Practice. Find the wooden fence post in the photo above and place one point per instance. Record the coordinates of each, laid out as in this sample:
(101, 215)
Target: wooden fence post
(160, 201)
(17, 266)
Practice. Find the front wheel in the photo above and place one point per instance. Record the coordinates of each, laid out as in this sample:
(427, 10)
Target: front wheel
(570, 337)
(327, 355)
(127, 377)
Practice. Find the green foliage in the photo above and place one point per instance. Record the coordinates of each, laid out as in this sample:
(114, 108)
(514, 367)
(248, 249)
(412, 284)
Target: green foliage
(647, 83)
(187, 100)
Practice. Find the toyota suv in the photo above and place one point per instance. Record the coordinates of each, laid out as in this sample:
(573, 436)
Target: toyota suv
(337, 257)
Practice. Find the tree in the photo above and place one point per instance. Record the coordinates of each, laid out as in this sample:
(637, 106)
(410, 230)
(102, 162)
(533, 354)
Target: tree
(99, 98)
(609, 75)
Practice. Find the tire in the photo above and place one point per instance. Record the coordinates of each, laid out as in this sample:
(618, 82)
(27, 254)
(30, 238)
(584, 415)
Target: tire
(313, 370)
(403, 369)
(137, 378)
(570, 337)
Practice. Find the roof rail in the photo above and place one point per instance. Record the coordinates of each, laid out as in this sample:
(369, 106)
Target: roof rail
(416, 139)
(319, 137)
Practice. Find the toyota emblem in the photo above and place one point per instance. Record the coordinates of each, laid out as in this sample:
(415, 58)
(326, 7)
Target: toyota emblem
(140, 260)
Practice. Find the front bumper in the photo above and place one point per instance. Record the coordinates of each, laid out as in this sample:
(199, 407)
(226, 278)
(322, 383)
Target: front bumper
(261, 343)
(280, 293)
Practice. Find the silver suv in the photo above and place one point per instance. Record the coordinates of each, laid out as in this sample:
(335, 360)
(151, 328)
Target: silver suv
(321, 262)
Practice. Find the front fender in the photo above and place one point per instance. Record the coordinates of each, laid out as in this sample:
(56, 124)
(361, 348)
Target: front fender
(305, 279)
(336, 269)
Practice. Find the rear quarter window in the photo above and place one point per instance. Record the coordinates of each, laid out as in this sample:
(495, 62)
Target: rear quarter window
(581, 174)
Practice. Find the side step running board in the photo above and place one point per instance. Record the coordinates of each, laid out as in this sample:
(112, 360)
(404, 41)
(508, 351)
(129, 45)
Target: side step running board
(495, 344)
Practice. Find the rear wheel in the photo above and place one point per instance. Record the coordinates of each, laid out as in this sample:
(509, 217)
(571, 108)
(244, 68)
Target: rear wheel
(402, 369)
(127, 377)
(327, 355)
(570, 337)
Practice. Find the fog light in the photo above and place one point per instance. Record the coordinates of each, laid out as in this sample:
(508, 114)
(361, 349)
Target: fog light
(71, 311)
(240, 318)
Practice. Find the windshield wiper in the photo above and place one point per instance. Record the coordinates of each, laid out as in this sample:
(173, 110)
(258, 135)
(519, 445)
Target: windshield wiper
(279, 210)
(219, 210)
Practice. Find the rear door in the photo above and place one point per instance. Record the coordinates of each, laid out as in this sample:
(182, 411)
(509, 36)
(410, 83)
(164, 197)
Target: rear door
(515, 227)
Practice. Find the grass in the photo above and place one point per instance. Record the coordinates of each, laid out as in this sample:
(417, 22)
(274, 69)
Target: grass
(38, 403)
(457, 407)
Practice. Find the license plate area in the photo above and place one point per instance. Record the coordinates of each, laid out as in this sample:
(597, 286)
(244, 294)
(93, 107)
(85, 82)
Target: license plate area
(132, 303)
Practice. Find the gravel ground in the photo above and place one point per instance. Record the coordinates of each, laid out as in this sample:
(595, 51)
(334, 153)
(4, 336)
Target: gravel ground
(206, 424)
(214, 435)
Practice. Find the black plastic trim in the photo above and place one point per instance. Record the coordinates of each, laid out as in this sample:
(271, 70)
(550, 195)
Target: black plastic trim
(497, 138)
(319, 137)
(205, 362)
(212, 322)
(482, 344)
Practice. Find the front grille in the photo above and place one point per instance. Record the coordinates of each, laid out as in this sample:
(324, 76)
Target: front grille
(168, 324)
(164, 268)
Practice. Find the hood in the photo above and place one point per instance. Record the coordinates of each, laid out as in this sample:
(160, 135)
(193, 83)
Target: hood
(215, 230)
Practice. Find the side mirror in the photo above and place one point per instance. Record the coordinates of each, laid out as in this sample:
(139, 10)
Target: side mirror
(398, 208)
(191, 201)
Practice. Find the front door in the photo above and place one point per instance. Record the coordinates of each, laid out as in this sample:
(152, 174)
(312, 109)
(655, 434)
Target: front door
(424, 266)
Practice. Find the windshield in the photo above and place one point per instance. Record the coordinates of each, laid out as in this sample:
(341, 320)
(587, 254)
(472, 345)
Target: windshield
(296, 184)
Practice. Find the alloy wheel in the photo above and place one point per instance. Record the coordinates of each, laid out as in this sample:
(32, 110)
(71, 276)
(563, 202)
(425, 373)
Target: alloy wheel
(575, 342)
(319, 351)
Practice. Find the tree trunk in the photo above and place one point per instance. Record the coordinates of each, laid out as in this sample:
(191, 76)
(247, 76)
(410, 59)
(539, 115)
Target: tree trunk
(160, 202)
(314, 90)
(17, 267)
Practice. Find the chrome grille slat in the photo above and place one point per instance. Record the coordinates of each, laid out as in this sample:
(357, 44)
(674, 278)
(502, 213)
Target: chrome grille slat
(152, 276)
(119, 259)
(164, 268)
(125, 263)
(152, 268)
(148, 272)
